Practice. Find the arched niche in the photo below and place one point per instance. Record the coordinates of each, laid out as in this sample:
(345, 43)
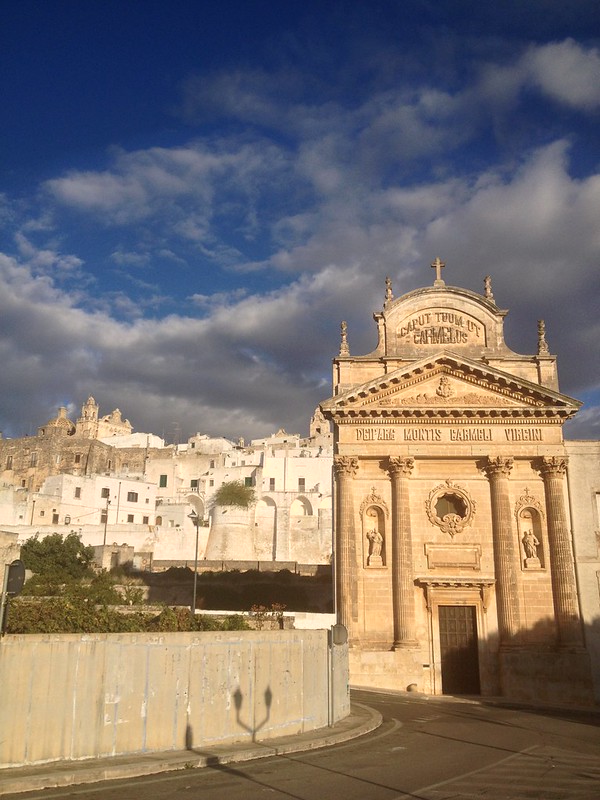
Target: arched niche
(374, 536)
(531, 538)
(529, 515)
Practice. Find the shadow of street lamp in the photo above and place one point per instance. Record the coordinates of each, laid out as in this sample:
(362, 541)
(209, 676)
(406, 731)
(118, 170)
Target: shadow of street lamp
(196, 520)
(238, 699)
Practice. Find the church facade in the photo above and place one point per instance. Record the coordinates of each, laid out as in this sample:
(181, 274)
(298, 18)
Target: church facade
(453, 549)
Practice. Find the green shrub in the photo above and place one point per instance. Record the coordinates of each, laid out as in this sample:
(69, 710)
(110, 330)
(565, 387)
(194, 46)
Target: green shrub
(235, 493)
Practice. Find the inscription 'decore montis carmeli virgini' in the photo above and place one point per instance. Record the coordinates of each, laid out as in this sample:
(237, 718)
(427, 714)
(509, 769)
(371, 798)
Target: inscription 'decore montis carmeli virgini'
(482, 434)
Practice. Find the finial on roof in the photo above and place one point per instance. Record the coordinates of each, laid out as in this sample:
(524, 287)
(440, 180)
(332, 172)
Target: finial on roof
(388, 291)
(542, 343)
(487, 282)
(344, 349)
(438, 266)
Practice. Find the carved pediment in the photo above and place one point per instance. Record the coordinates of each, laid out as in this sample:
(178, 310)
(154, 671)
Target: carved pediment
(449, 384)
(444, 391)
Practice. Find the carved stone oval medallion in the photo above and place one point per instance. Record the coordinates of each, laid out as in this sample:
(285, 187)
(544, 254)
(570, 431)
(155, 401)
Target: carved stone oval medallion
(450, 507)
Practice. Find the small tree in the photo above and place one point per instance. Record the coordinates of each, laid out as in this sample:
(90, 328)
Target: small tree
(57, 558)
(235, 493)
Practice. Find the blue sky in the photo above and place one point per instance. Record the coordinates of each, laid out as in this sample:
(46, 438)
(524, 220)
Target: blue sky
(193, 195)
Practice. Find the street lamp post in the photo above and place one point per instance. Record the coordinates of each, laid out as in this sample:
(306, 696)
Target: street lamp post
(105, 523)
(196, 520)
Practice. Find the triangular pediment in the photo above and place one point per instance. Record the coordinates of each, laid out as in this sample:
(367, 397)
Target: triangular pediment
(450, 384)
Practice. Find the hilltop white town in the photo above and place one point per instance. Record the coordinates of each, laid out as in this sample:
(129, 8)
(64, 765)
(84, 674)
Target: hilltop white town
(138, 500)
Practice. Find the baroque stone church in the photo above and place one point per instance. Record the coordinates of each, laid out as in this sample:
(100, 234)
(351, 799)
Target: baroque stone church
(453, 552)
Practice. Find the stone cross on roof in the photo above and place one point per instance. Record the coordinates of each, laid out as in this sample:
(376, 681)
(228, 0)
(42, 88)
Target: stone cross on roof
(438, 266)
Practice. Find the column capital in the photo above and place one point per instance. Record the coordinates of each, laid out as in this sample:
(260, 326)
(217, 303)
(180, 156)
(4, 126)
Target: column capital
(554, 465)
(498, 465)
(398, 465)
(345, 465)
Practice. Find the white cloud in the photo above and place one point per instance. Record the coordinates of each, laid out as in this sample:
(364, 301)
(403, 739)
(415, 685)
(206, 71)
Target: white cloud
(536, 226)
(133, 259)
(567, 72)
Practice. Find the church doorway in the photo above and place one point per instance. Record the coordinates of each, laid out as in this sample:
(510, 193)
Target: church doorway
(459, 649)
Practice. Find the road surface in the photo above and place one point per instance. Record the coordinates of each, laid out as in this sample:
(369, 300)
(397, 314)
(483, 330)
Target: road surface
(426, 749)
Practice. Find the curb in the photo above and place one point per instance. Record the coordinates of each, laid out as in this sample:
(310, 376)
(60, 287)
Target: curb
(361, 720)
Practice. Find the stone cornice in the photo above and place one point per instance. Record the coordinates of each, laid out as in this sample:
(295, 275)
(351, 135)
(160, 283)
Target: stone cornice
(450, 416)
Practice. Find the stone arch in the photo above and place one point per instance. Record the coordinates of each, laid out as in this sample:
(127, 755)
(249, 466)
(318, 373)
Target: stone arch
(265, 527)
(301, 507)
(196, 503)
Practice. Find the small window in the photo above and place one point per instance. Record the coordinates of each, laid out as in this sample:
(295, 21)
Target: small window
(162, 481)
(78, 458)
(78, 492)
(105, 492)
(42, 513)
(301, 484)
(145, 520)
(109, 464)
(212, 464)
(159, 520)
(55, 519)
(125, 467)
(104, 518)
(33, 460)
(129, 517)
(132, 497)
(211, 483)
(23, 482)
(247, 481)
(271, 484)
(450, 504)
(194, 483)
(9, 462)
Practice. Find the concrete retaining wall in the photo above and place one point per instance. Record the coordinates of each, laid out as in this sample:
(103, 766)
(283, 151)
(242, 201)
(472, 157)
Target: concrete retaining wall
(70, 696)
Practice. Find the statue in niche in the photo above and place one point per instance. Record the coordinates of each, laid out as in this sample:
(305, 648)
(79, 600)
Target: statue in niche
(375, 547)
(530, 545)
(374, 537)
(376, 542)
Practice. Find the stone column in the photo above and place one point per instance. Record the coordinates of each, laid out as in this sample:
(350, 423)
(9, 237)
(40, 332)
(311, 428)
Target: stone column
(562, 568)
(505, 557)
(345, 468)
(403, 590)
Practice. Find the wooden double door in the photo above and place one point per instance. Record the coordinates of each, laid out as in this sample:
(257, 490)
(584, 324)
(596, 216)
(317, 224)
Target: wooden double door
(459, 649)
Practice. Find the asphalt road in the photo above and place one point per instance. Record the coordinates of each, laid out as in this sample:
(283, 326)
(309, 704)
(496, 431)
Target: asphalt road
(426, 749)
